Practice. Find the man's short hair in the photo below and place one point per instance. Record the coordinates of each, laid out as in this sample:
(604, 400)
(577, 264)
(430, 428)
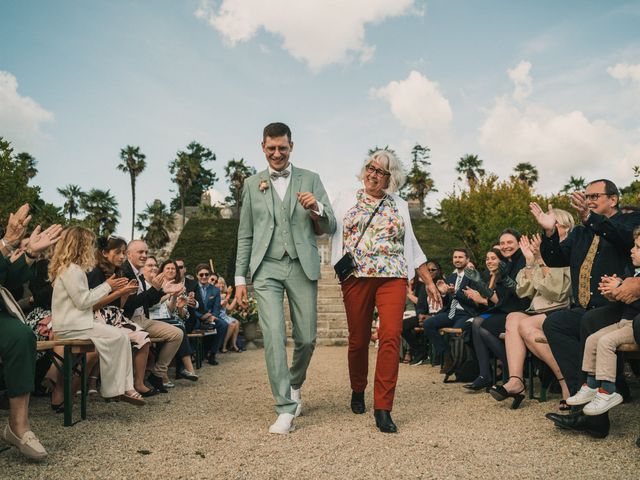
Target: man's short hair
(610, 188)
(276, 129)
(463, 250)
(203, 266)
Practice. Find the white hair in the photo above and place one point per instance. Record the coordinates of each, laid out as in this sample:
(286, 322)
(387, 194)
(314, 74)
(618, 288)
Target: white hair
(390, 162)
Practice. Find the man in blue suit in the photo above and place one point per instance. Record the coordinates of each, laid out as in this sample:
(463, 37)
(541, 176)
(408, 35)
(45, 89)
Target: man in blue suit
(457, 307)
(208, 311)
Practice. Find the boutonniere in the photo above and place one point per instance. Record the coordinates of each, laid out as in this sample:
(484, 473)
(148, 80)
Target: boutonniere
(263, 185)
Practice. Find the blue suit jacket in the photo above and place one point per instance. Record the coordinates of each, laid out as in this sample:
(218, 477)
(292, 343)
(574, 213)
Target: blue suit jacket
(468, 305)
(210, 303)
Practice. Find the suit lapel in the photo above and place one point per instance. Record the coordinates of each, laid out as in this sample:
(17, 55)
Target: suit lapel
(294, 187)
(267, 194)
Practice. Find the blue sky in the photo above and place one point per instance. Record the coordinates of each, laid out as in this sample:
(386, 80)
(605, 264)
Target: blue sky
(553, 83)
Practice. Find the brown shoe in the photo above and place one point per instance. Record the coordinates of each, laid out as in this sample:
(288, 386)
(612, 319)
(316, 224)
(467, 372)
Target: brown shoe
(448, 364)
(29, 445)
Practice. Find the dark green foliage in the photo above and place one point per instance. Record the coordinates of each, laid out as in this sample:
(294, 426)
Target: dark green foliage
(236, 172)
(156, 222)
(419, 181)
(204, 239)
(190, 175)
(437, 243)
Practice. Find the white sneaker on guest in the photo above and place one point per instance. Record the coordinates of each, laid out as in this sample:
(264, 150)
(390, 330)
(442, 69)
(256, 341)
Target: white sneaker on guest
(584, 395)
(283, 425)
(296, 396)
(603, 402)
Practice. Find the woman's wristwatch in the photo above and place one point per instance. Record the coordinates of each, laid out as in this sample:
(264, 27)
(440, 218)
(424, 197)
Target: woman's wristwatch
(6, 245)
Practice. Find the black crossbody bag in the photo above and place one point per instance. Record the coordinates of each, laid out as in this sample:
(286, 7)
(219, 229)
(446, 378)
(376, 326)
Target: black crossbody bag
(347, 264)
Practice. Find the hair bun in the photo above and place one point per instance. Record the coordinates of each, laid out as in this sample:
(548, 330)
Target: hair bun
(102, 243)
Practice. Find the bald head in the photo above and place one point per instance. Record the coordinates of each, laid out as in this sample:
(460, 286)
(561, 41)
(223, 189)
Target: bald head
(137, 251)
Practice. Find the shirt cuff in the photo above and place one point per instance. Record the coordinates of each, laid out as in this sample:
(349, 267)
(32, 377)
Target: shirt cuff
(320, 209)
(240, 281)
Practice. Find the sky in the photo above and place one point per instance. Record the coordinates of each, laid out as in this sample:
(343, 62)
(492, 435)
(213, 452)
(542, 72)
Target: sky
(553, 83)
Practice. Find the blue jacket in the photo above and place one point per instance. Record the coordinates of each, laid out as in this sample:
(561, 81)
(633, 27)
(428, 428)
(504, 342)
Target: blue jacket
(210, 303)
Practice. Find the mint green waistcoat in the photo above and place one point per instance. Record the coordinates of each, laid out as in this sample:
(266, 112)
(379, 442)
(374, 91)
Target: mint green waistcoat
(281, 240)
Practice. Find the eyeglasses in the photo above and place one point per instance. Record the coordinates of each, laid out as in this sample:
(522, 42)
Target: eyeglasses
(596, 196)
(377, 171)
(432, 269)
(181, 267)
(203, 274)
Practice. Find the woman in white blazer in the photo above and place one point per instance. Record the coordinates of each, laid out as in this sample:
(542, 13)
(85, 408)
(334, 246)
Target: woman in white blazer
(386, 254)
(72, 314)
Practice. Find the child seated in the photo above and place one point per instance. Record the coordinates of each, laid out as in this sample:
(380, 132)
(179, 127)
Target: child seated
(599, 362)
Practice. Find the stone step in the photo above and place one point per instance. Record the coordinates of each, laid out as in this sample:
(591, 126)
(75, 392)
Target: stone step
(337, 308)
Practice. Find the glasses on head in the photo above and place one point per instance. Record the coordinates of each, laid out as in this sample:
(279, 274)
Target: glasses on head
(377, 171)
(595, 196)
(116, 237)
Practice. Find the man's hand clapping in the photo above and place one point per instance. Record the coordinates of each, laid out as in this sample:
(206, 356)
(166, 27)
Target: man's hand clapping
(546, 220)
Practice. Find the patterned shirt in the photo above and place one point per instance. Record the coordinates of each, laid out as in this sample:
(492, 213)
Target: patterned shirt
(380, 253)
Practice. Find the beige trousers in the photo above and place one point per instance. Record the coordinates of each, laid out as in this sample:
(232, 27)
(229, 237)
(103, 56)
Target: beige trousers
(600, 349)
(171, 335)
(114, 350)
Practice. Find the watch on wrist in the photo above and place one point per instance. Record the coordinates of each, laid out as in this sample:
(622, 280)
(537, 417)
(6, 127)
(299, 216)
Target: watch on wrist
(7, 245)
(30, 255)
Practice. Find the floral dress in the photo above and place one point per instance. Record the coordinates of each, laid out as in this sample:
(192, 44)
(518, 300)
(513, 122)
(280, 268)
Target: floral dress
(380, 253)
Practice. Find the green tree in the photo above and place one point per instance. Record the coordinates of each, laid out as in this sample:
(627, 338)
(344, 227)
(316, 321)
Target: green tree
(525, 172)
(419, 182)
(72, 195)
(203, 180)
(15, 173)
(373, 150)
(101, 209)
(477, 216)
(575, 184)
(236, 172)
(156, 221)
(133, 163)
(470, 168)
(185, 171)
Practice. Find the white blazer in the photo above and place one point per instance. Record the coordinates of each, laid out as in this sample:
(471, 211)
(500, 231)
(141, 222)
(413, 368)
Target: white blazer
(73, 301)
(412, 252)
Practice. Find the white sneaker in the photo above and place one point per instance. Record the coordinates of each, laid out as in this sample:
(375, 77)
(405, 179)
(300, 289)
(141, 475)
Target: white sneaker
(296, 396)
(283, 425)
(584, 395)
(603, 402)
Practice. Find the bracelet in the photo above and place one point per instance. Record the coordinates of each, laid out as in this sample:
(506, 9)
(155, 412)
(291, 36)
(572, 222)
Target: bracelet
(32, 257)
(7, 245)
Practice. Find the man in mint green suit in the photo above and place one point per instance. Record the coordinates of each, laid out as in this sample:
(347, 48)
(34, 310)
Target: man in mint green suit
(283, 208)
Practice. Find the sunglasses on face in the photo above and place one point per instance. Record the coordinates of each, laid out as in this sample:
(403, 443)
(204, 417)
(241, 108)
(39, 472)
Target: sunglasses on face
(203, 275)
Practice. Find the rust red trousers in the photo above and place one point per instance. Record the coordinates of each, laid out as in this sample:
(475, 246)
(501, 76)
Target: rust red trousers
(360, 296)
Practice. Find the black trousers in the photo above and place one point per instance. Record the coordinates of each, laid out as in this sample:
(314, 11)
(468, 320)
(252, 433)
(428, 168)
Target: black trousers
(414, 339)
(567, 331)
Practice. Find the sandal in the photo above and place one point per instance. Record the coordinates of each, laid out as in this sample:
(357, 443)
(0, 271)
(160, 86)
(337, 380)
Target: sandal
(563, 407)
(134, 398)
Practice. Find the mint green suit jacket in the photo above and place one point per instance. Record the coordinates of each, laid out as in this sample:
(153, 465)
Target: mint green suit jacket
(257, 222)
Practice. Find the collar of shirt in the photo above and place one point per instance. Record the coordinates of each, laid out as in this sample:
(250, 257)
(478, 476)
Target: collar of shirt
(281, 183)
(137, 273)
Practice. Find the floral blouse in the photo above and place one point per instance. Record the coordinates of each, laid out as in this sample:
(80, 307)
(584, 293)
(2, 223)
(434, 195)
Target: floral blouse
(380, 253)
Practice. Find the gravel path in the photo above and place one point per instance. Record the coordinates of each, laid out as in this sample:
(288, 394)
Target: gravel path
(217, 428)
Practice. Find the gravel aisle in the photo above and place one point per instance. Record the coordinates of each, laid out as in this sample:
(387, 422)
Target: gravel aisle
(217, 428)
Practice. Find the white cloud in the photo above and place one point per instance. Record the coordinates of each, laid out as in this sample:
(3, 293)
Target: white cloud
(560, 144)
(624, 71)
(20, 117)
(522, 80)
(318, 32)
(418, 104)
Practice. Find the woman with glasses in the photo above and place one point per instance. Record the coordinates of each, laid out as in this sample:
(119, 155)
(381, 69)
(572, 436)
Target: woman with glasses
(374, 227)
(228, 304)
(172, 309)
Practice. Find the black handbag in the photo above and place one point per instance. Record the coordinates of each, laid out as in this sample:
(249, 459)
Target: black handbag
(347, 264)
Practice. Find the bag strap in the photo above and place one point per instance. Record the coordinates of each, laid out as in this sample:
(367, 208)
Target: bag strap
(369, 222)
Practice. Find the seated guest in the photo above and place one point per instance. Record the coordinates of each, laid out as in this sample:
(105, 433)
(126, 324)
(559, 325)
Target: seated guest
(72, 313)
(136, 308)
(598, 394)
(17, 342)
(550, 290)
(501, 300)
(424, 309)
(208, 313)
(172, 309)
(190, 286)
(227, 304)
(110, 256)
(457, 310)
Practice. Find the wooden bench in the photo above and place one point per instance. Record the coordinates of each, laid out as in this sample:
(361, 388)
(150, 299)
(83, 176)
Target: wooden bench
(450, 331)
(197, 337)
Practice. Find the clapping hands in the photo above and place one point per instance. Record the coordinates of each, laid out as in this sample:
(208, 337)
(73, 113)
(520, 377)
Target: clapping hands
(547, 220)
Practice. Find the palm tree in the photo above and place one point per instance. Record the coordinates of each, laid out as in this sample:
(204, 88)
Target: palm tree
(470, 166)
(28, 163)
(102, 211)
(574, 184)
(185, 171)
(525, 172)
(72, 195)
(419, 181)
(236, 172)
(157, 222)
(132, 163)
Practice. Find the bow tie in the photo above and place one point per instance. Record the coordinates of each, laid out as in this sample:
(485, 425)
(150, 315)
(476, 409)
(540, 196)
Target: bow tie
(277, 175)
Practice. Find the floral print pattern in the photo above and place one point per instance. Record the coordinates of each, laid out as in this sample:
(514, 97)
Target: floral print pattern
(380, 253)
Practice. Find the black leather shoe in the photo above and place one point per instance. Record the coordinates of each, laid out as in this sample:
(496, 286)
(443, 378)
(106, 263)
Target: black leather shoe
(357, 402)
(597, 426)
(384, 422)
(149, 393)
(157, 383)
(212, 360)
(478, 384)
